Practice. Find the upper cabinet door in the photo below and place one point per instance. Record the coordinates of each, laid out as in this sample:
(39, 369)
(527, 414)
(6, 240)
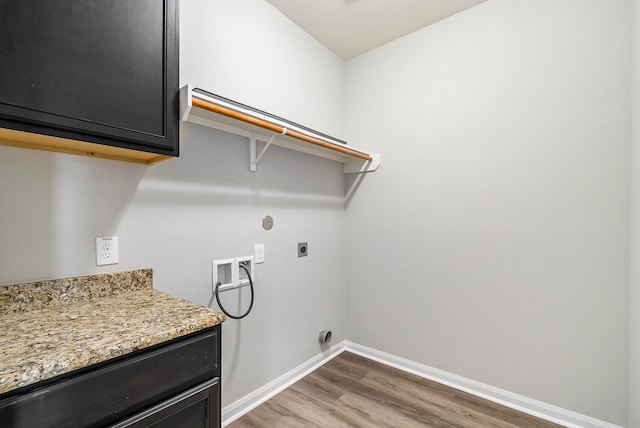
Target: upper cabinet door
(102, 71)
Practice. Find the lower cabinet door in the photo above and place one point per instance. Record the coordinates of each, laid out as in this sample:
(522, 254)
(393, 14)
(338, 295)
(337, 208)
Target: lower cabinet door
(198, 407)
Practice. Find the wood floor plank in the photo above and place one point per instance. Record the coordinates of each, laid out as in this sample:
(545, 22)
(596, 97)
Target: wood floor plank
(315, 386)
(382, 396)
(471, 402)
(311, 410)
(385, 413)
(268, 415)
(441, 407)
(393, 372)
(354, 368)
(350, 415)
(353, 391)
(496, 411)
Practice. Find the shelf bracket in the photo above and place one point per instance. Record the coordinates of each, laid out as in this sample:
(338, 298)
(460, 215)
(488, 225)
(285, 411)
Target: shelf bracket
(358, 166)
(254, 158)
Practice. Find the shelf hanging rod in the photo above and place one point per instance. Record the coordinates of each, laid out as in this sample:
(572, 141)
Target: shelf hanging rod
(225, 111)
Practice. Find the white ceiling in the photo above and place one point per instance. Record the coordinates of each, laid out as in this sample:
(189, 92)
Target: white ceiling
(352, 27)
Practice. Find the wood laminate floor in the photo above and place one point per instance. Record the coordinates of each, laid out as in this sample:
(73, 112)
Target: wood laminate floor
(352, 391)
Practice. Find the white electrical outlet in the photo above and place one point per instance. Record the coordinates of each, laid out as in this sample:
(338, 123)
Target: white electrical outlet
(107, 251)
(258, 253)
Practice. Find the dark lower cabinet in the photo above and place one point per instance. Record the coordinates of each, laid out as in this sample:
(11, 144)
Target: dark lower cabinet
(98, 71)
(173, 385)
(195, 408)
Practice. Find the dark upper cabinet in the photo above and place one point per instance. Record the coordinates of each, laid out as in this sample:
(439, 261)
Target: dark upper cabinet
(99, 71)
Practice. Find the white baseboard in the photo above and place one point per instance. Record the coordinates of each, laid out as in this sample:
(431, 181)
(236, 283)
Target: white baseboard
(235, 410)
(533, 407)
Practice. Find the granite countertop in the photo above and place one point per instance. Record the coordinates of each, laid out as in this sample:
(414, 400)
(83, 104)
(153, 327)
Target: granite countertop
(49, 328)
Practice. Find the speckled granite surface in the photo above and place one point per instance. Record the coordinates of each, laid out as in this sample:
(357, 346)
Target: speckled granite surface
(49, 328)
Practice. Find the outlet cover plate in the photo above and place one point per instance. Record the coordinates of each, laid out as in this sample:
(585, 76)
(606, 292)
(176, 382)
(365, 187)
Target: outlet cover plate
(107, 251)
(303, 249)
(258, 253)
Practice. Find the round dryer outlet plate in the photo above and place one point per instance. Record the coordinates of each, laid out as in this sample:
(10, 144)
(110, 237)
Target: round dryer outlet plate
(267, 222)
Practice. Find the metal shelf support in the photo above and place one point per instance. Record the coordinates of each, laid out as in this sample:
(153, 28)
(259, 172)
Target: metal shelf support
(253, 149)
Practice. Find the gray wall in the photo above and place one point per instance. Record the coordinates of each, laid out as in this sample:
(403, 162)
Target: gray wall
(492, 243)
(634, 333)
(178, 216)
(495, 236)
(249, 51)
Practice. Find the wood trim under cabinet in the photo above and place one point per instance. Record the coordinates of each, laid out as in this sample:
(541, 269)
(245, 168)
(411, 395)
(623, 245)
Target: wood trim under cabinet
(27, 140)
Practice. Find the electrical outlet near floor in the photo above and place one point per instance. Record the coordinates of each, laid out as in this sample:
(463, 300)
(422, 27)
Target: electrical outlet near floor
(107, 250)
